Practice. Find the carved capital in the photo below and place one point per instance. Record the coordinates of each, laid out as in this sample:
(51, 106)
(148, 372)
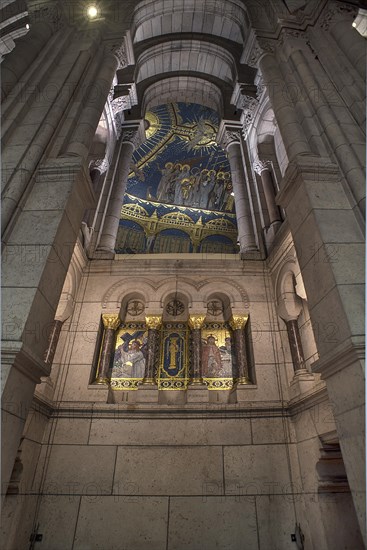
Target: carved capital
(50, 13)
(261, 165)
(111, 320)
(119, 51)
(238, 322)
(196, 321)
(100, 164)
(249, 106)
(132, 136)
(259, 48)
(337, 10)
(153, 321)
(230, 136)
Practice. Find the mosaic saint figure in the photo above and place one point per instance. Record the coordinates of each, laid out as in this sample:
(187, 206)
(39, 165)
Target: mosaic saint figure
(129, 359)
(211, 358)
(206, 189)
(180, 183)
(163, 186)
(227, 358)
(133, 361)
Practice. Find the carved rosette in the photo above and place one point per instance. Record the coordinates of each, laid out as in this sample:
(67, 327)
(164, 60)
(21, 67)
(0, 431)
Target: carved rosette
(153, 323)
(261, 165)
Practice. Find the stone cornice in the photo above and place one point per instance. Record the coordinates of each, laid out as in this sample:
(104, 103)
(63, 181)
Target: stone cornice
(349, 352)
(94, 410)
(305, 167)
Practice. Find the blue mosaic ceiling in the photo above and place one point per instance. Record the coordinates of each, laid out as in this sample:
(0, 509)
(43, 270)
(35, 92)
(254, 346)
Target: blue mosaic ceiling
(180, 163)
(179, 191)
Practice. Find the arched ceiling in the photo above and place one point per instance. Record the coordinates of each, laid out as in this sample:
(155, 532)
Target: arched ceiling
(186, 55)
(225, 18)
(186, 89)
(188, 51)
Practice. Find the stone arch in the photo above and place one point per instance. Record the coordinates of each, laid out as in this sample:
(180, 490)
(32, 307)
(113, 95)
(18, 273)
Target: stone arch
(198, 55)
(187, 89)
(137, 294)
(235, 292)
(153, 18)
(289, 304)
(168, 289)
(140, 285)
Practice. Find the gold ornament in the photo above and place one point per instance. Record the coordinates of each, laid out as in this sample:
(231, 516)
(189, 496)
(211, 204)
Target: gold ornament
(196, 321)
(111, 320)
(238, 322)
(153, 321)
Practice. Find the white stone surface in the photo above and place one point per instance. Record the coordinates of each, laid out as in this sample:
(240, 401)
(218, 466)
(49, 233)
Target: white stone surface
(170, 470)
(80, 470)
(212, 522)
(128, 522)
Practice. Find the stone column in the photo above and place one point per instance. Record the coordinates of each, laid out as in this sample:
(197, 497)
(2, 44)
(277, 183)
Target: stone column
(260, 54)
(53, 341)
(131, 138)
(263, 168)
(86, 125)
(237, 324)
(27, 48)
(153, 323)
(316, 203)
(195, 324)
(111, 322)
(295, 344)
(230, 138)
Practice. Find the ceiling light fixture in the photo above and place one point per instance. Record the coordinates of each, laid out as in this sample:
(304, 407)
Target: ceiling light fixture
(92, 12)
